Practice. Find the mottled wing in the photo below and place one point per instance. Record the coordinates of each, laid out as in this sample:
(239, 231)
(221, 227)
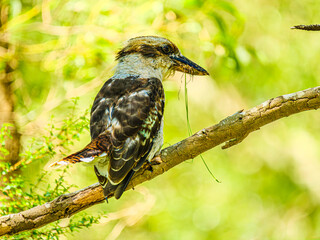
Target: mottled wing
(130, 111)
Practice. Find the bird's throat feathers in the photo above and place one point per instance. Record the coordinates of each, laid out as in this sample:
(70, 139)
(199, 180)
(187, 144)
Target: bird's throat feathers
(136, 64)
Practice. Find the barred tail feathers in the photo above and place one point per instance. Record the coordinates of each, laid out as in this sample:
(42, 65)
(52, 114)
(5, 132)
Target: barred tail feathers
(98, 147)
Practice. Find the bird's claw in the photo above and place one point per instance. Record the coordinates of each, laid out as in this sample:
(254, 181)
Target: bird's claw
(149, 167)
(156, 160)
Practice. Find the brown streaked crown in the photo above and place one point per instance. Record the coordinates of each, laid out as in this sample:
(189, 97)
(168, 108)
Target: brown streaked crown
(148, 46)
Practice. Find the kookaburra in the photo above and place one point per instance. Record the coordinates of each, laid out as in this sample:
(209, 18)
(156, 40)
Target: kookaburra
(126, 123)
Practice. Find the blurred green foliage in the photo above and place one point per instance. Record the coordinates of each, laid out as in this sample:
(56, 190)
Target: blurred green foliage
(19, 195)
(270, 183)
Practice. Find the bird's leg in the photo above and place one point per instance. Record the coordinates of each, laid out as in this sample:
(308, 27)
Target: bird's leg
(148, 166)
(154, 161)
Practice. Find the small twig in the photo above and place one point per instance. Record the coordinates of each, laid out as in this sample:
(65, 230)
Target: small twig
(313, 27)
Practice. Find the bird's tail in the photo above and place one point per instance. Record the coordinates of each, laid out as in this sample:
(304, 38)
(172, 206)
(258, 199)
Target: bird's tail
(98, 147)
(113, 190)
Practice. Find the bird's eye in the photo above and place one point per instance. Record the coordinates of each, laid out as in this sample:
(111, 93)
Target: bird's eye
(166, 49)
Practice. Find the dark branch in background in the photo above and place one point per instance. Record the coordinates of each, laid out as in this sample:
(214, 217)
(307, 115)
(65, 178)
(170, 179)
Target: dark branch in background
(6, 91)
(230, 131)
(313, 27)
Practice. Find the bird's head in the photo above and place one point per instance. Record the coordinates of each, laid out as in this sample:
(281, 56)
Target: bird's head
(159, 53)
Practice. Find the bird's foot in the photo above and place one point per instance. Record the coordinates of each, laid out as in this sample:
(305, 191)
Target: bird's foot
(149, 167)
(156, 160)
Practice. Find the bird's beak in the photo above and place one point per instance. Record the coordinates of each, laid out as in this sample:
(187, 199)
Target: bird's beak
(183, 64)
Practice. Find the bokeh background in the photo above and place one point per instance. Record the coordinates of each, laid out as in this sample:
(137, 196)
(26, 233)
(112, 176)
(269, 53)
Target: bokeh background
(270, 183)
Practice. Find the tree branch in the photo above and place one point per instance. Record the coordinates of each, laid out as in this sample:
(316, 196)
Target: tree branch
(313, 27)
(230, 131)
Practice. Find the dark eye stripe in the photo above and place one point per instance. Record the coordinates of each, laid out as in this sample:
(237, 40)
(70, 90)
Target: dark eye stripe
(166, 49)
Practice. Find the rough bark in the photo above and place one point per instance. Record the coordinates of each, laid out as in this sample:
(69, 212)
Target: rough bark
(230, 131)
